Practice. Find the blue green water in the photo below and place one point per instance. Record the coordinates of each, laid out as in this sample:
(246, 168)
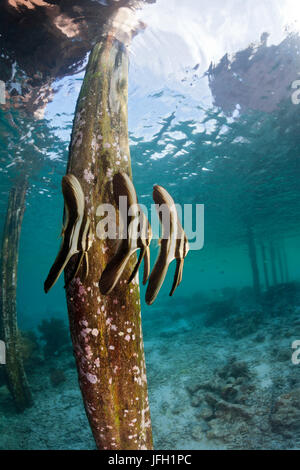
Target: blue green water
(198, 161)
(243, 165)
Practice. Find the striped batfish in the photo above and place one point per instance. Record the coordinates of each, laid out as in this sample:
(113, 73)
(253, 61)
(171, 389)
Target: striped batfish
(137, 234)
(76, 233)
(173, 244)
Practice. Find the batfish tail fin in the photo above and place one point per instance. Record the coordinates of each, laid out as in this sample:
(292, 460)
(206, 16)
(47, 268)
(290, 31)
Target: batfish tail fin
(146, 265)
(57, 268)
(113, 271)
(136, 268)
(178, 275)
(157, 277)
(76, 269)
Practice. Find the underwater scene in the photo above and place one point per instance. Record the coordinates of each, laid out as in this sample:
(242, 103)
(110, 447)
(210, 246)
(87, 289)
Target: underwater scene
(98, 357)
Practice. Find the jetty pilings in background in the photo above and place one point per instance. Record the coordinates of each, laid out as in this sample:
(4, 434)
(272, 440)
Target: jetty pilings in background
(14, 368)
(253, 262)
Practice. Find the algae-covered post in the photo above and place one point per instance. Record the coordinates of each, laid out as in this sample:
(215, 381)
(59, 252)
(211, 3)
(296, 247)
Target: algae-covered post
(14, 368)
(273, 264)
(106, 330)
(285, 263)
(280, 264)
(265, 266)
(253, 261)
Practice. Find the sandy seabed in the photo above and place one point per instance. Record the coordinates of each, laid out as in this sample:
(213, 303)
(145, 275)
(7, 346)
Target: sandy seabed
(210, 387)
